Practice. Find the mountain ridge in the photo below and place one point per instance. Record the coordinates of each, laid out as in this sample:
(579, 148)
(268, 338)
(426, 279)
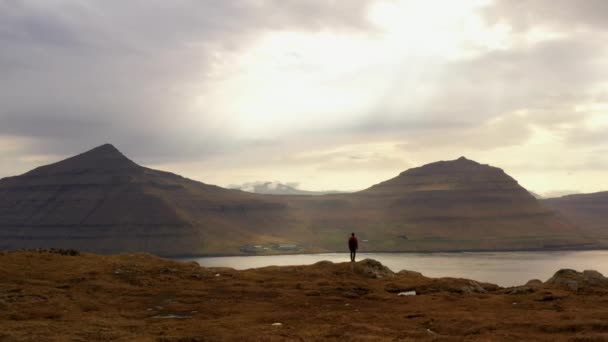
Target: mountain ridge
(589, 211)
(101, 201)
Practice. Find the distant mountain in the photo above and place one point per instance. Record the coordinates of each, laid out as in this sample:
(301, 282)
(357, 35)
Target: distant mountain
(559, 193)
(101, 201)
(277, 188)
(588, 211)
(458, 205)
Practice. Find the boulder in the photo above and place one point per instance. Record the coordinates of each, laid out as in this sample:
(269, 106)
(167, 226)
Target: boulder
(534, 283)
(370, 268)
(471, 286)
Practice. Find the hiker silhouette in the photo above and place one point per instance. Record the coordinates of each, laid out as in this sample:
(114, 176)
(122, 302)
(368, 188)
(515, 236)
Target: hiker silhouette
(353, 245)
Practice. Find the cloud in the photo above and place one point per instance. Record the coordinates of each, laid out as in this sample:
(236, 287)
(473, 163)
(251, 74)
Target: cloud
(557, 14)
(289, 89)
(80, 73)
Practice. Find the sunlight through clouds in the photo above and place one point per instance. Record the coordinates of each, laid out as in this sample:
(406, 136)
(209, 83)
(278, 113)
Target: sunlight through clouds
(228, 91)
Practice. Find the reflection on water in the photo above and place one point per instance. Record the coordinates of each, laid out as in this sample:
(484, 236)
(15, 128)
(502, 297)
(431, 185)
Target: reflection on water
(502, 268)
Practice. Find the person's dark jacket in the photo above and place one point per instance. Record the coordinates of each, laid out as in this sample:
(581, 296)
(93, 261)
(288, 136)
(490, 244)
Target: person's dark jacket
(353, 243)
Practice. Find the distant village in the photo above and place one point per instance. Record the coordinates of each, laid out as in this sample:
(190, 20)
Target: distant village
(283, 247)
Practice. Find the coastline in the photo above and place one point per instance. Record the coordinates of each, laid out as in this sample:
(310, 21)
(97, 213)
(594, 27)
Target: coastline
(451, 251)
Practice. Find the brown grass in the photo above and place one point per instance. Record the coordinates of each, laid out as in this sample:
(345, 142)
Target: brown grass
(139, 297)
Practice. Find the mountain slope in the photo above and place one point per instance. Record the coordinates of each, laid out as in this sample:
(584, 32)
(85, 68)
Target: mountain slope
(459, 188)
(589, 211)
(101, 201)
(447, 205)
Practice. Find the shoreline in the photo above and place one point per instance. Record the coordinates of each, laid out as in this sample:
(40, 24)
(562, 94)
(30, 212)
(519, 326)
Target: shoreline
(451, 251)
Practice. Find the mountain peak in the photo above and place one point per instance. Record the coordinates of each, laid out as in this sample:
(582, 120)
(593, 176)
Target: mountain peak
(104, 157)
(461, 173)
(105, 151)
(106, 148)
(455, 166)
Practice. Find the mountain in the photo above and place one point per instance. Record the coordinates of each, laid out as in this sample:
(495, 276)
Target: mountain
(101, 201)
(559, 193)
(277, 188)
(589, 211)
(447, 205)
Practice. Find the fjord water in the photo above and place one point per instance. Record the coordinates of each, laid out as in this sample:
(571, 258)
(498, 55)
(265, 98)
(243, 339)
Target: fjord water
(502, 268)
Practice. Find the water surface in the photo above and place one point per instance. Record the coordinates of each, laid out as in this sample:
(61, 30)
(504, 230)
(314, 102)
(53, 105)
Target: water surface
(502, 268)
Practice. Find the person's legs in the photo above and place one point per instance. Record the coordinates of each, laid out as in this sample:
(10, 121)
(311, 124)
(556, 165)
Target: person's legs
(352, 255)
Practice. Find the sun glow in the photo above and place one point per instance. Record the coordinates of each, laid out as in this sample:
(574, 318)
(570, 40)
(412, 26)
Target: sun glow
(291, 79)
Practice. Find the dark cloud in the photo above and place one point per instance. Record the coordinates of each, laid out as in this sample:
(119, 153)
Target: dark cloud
(79, 73)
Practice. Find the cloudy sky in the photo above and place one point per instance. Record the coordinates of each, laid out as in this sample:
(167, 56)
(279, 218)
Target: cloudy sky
(328, 94)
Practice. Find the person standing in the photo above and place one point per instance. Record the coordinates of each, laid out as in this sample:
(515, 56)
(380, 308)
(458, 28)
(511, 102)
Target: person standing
(353, 245)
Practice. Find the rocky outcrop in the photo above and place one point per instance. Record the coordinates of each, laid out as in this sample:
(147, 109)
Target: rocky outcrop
(577, 281)
(531, 286)
(371, 268)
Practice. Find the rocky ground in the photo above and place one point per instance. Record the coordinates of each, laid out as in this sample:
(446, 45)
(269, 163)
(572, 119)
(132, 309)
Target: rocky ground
(62, 295)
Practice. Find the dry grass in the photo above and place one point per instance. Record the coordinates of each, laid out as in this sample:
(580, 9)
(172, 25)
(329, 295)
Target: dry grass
(138, 297)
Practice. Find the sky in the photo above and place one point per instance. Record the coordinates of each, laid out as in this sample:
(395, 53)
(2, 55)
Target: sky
(322, 94)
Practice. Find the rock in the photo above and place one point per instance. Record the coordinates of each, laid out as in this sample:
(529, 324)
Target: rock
(534, 283)
(408, 293)
(427, 286)
(472, 286)
(531, 286)
(370, 268)
(574, 281)
(519, 290)
(594, 278)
